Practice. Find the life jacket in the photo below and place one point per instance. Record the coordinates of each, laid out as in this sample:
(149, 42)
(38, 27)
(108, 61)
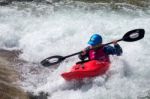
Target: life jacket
(99, 54)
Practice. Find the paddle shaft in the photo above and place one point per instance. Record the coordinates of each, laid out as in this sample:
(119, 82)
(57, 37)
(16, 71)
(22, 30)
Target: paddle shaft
(89, 49)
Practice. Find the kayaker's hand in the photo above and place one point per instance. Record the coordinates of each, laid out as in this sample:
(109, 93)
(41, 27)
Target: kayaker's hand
(86, 50)
(114, 42)
(83, 52)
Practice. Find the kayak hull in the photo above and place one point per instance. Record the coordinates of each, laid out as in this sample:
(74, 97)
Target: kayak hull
(88, 69)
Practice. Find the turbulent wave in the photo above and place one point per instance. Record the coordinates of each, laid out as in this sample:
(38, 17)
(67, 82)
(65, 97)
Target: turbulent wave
(42, 30)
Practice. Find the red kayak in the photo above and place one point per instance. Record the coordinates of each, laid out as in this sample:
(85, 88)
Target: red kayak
(88, 69)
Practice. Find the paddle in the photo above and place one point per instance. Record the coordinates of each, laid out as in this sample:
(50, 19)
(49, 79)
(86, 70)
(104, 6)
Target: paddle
(130, 36)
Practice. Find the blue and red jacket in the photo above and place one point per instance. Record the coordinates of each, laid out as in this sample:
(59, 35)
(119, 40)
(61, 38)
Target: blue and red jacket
(102, 53)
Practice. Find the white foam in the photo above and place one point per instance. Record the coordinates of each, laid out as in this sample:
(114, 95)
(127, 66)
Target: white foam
(63, 33)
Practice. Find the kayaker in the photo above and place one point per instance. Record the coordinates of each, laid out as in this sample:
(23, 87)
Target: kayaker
(100, 53)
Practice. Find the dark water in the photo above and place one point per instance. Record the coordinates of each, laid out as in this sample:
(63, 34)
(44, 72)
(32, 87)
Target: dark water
(8, 76)
(134, 8)
(140, 3)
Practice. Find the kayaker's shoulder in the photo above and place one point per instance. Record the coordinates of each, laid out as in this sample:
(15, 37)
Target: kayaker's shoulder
(107, 47)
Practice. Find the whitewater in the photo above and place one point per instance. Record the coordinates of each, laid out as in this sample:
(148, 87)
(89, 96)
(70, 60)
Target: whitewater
(40, 31)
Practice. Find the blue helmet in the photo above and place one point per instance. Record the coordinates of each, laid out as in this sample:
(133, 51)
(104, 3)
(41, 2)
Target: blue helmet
(95, 39)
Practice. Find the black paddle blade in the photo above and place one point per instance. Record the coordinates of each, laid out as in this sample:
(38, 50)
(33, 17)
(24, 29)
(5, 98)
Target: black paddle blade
(134, 35)
(52, 60)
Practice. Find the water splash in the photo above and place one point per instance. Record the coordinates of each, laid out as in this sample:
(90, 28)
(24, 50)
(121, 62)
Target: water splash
(40, 31)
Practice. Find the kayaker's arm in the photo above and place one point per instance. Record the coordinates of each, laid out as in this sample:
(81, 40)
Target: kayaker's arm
(82, 57)
(85, 54)
(116, 50)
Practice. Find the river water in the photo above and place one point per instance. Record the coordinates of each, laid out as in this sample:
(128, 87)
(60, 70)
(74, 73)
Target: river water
(40, 30)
